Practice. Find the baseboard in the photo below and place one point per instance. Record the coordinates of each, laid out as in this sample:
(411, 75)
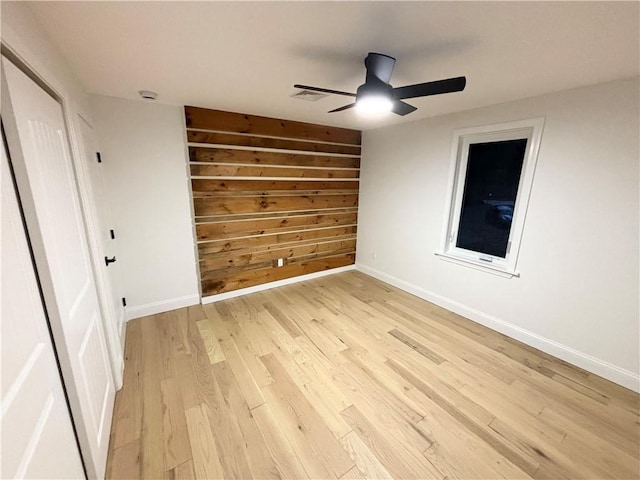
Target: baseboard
(278, 283)
(122, 333)
(122, 326)
(137, 311)
(119, 379)
(602, 368)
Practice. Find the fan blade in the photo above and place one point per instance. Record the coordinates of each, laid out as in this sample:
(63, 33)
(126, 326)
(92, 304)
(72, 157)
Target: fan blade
(346, 107)
(449, 85)
(380, 66)
(325, 90)
(402, 108)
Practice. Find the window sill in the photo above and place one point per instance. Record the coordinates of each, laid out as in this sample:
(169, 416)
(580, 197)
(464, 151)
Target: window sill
(465, 262)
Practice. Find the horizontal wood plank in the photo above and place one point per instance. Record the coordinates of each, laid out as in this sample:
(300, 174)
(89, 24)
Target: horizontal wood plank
(258, 277)
(241, 123)
(222, 230)
(254, 216)
(229, 260)
(208, 187)
(224, 170)
(273, 241)
(255, 157)
(263, 142)
(256, 204)
(222, 274)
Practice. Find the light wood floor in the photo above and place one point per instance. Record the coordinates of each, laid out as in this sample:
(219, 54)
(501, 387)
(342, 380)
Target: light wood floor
(345, 376)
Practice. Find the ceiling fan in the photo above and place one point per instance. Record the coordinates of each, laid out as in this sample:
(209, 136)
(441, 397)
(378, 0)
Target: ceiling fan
(376, 95)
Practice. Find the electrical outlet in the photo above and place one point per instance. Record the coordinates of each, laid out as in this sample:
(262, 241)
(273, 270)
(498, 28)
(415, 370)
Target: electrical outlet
(280, 262)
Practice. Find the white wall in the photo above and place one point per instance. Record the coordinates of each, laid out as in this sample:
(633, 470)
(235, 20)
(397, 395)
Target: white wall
(577, 296)
(144, 151)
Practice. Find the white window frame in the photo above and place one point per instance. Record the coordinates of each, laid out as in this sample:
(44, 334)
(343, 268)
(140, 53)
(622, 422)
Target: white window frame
(530, 129)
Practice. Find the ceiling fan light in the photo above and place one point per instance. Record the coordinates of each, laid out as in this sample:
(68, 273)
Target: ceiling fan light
(374, 104)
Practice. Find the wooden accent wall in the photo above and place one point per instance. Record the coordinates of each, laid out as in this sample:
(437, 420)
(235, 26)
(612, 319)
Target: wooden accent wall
(266, 189)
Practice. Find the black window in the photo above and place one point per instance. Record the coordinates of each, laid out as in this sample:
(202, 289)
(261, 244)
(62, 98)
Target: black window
(491, 185)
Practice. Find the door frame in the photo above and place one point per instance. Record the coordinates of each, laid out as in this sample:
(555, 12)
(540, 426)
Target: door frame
(30, 63)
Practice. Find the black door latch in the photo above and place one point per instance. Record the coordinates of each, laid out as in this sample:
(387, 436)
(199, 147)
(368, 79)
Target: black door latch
(108, 260)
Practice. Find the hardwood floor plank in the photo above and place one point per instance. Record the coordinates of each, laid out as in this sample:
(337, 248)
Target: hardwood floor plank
(391, 387)
(314, 393)
(126, 462)
(397, 459)
(250, 389)
(206, 463)
(548, 456)
(287, 323)
(296, 433)
(319, 332)
(187, 381)
(469, 419)
(331, 453)
(256, 452)
(383, 409)
(255, 333)
(203, 383)
(152, 443)
(353, 474)
(184, 471)
(174, 428)
(286, 349)
(214, 352)
(168, 337)
(620, 462)
(460, 452)
(229, 440)
(417, 346)
(248, 347)
(626, 439)
(223, 422)
(127, 415)
(580, 388)
(278, 443)
(366, 462)
(317, 368)
(408, 320)
(500, 405)
(605, 460)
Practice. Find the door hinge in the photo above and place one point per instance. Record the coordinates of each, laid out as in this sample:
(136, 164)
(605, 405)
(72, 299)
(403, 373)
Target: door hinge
(99, 157)
(124, 302)
(113, 234)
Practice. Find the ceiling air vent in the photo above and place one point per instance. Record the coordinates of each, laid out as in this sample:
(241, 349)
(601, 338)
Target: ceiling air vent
(308, 95)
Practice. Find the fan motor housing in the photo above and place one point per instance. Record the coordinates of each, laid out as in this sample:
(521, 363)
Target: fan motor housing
(377, 89)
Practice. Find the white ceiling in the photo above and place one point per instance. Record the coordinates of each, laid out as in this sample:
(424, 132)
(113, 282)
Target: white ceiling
(246, 56)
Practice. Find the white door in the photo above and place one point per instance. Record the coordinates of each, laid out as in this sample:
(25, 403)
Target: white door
(108, 232)
(37, 434)
(39, 150)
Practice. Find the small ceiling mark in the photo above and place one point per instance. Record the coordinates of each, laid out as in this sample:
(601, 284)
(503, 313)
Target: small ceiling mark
(148, 95)
(308, 95)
